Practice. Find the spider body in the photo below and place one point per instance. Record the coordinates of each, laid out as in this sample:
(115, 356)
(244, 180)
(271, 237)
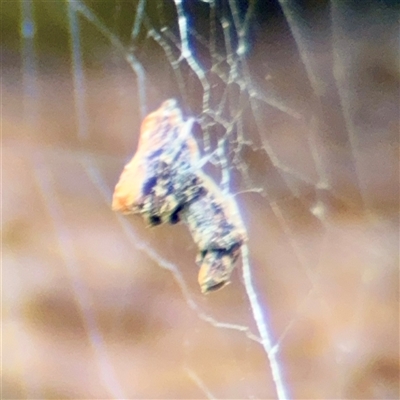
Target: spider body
(159, 180)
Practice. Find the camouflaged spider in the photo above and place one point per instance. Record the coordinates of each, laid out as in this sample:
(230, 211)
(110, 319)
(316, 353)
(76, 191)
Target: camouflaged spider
(163, 183)
(159, 180)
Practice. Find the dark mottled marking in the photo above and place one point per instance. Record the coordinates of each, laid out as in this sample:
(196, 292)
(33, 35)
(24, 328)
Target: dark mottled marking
(155, 220)
(149, 185)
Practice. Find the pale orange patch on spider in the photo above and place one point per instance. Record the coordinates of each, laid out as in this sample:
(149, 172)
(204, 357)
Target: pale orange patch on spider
(129, 187)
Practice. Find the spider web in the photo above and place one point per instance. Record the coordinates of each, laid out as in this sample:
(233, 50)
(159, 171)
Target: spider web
(296, 113)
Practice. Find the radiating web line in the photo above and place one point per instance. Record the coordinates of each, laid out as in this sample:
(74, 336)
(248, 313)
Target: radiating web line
(138, 19)
(345, 101)
(310, 274)
(30, 75)
(299, 310)
(78, 75)
(199, 383)
(263, 328)
(289, 10)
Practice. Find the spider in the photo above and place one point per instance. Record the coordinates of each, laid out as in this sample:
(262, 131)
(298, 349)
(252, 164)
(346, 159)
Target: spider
(160, 180)
(164, 184)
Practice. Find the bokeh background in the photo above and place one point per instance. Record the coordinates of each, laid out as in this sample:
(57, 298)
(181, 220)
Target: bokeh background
(302, 120)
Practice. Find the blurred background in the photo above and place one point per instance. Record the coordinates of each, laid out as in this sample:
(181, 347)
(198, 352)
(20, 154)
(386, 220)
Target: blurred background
(299, 107)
